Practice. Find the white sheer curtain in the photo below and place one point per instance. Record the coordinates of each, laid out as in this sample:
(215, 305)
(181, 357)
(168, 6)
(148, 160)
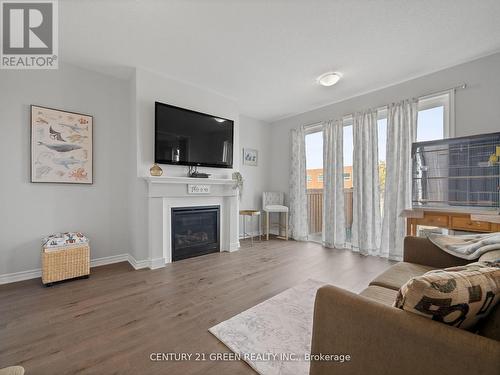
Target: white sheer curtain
(366, 226)
(333, 183)
(401, 132)
(298, 200)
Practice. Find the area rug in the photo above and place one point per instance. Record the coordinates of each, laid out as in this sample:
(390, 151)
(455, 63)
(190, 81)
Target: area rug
(274, 336)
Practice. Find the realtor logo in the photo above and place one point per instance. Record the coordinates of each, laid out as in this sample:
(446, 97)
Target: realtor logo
(29, 34)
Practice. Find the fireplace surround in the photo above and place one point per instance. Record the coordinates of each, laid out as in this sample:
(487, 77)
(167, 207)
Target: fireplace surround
(170, 192)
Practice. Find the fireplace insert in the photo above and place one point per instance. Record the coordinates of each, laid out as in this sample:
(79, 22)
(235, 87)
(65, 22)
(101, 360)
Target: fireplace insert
(195, 231)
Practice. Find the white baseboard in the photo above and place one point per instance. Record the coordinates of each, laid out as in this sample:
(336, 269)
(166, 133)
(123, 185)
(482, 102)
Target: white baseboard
(108, 260)
(233, 246)
(20, 276)
(146, 263)
(157, 263)
(36, 273)
(138, 264)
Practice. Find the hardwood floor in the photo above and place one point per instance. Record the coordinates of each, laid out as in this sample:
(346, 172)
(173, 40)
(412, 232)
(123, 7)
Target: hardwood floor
(112, 322)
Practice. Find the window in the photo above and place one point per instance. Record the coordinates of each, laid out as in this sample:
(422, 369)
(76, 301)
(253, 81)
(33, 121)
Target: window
(382, 145)
(430, 124)
(348, 151)
(314, 192)
(434, 119)
(314, 150)
(348, 156)
(433, 122)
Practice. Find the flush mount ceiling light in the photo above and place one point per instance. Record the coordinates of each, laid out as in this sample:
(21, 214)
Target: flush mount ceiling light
(219, 119)
(329, 79)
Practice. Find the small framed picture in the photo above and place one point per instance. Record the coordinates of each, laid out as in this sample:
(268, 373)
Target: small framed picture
(61, 146)
(250, 156)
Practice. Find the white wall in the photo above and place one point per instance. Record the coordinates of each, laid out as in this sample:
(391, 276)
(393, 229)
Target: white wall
(29, 211)
(113, 211)
(477, 108)
(150, 87)
(254, 134)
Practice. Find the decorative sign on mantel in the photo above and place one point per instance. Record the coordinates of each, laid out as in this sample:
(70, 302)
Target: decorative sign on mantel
(198, 189)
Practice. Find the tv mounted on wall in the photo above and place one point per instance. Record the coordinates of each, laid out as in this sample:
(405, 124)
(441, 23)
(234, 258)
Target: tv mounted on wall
(185, 137)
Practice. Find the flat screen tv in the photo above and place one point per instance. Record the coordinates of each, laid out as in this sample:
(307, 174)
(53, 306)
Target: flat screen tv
(185, 137)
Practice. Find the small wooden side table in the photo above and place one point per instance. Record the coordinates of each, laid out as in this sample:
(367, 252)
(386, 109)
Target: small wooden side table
(251, 214)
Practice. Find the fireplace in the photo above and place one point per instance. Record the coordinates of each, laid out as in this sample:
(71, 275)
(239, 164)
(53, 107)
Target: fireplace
(195, 231)
(166, 193)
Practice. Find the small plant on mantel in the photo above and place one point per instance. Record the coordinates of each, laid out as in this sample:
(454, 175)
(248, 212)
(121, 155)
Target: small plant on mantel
(238, 182)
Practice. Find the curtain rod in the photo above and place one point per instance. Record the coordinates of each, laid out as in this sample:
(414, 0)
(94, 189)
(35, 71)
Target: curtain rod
(421, 97)
(434, 93)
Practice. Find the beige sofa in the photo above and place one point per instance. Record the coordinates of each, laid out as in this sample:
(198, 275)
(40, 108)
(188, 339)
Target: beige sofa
(381, 339)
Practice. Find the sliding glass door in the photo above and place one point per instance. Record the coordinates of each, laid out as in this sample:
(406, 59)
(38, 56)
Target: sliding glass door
(315, 172)
(348, 147)
(314, 193)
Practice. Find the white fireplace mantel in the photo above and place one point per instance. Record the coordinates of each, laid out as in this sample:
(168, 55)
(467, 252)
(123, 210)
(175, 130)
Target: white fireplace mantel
(165, 193)
(189, 180)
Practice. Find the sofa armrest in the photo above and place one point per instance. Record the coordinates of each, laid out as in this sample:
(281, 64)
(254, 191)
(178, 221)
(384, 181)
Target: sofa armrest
(384, 340)
(421, 250)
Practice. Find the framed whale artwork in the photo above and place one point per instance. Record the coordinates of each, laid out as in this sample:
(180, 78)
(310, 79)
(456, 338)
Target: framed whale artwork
(61, 146)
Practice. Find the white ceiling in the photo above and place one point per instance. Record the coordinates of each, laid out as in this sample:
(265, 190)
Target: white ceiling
(267, 54)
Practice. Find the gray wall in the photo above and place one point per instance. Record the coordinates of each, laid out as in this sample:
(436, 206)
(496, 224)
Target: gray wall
(151, 87)
(148, 87)
(29, 211)
(477, 108)
(113, 211)
(254, 134)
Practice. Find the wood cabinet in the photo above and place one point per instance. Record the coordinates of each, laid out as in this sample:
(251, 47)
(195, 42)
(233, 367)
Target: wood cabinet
(465, 223)
(434, 220)
(450, 220)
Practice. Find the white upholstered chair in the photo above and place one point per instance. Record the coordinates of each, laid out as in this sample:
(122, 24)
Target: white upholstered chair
(273, 202)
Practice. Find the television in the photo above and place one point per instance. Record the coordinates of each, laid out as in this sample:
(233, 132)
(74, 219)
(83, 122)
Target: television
(185, 137)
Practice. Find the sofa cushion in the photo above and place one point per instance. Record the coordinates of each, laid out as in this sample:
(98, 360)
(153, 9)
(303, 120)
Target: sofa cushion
(396, 276)
(458, 296)
(380, 294)
(490, 256)
(490, 327)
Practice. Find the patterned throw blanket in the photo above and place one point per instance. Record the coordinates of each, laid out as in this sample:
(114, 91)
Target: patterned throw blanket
(470, 246)
(64, 239)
